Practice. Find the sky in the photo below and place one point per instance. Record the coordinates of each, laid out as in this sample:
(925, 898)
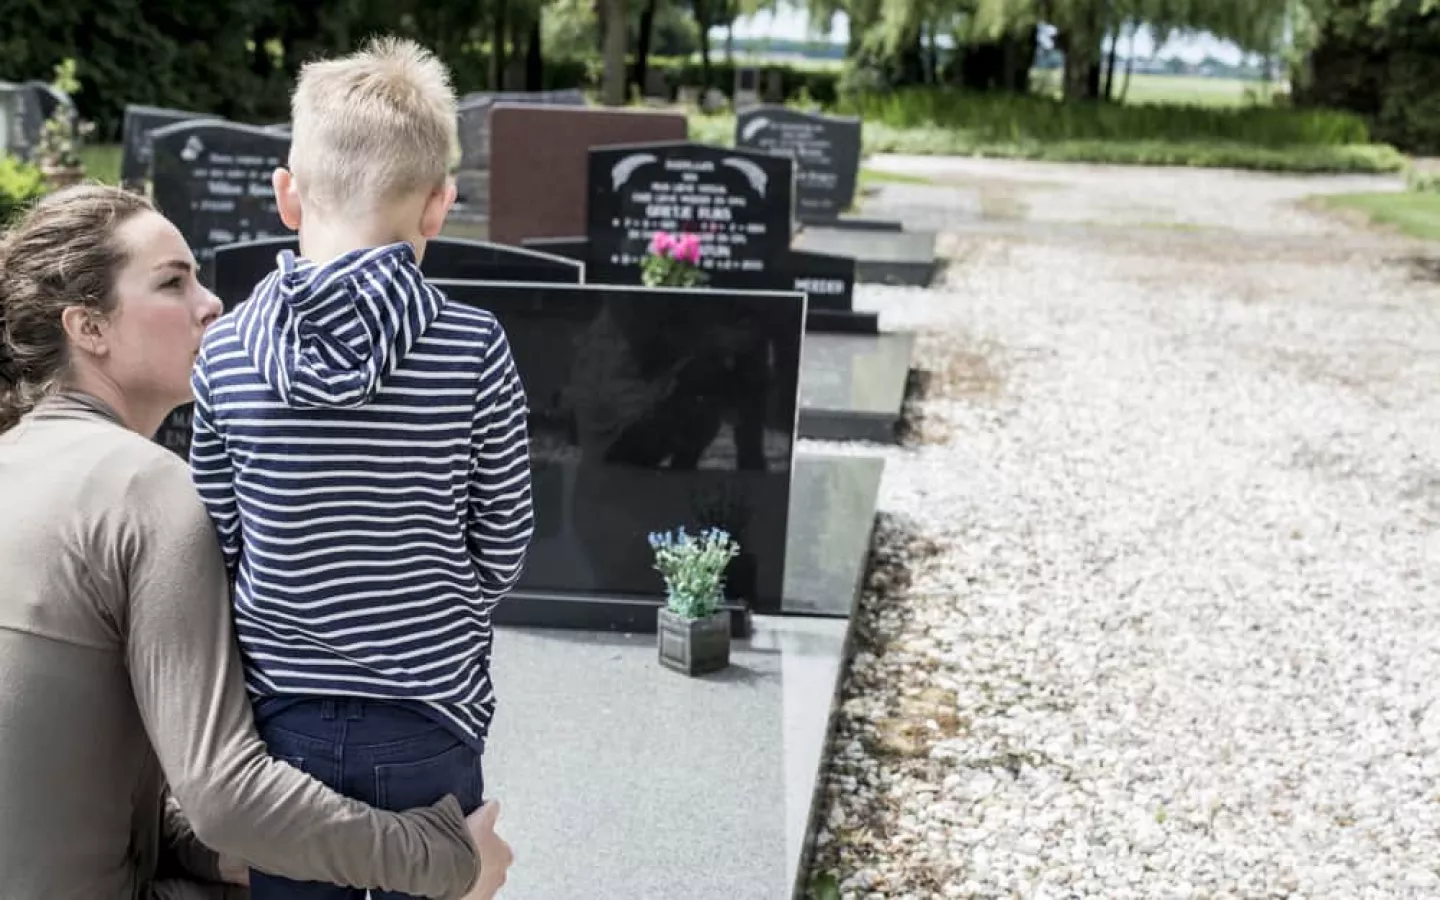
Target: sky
(793, 24)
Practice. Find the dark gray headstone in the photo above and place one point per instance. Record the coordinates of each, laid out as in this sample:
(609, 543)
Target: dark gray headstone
(139, 123)
(213, 180)
(739, 202)
(14, 137)
(826, 150)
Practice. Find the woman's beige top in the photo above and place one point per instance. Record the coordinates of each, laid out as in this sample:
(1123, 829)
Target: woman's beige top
(119, 671)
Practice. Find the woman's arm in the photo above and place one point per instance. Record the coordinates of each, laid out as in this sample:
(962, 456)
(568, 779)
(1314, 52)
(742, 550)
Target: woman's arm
(186, 672)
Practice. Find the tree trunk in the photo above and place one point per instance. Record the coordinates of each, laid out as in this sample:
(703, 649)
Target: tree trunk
(497, 47)
(702, 18)
(642, 48)
(1082, 64)
(1110, 65)
(534, 60)
(616, 20)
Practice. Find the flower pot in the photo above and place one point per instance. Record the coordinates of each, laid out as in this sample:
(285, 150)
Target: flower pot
(694, 646)
(62, 176)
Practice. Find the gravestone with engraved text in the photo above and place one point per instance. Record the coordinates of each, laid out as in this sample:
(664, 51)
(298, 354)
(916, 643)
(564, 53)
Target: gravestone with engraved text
(212, 180)
(826, 150)
(740, 203)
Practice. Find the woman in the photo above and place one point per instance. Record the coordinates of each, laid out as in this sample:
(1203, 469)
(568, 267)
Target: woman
(118, 668)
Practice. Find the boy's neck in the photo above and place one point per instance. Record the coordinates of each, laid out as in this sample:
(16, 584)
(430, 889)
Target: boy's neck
(320, 242)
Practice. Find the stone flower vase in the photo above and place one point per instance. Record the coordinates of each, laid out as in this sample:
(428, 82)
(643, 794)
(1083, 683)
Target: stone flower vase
(694, 646)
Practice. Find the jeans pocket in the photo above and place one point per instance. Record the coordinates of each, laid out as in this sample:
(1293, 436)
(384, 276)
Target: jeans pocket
(413, 783)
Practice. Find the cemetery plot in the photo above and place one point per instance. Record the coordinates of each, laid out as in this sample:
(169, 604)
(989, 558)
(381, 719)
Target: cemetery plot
(650, 409)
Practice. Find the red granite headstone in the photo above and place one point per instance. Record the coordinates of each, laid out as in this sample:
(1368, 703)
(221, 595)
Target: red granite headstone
(539, 157)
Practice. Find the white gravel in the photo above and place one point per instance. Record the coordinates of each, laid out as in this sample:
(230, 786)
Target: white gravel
(1177, 632)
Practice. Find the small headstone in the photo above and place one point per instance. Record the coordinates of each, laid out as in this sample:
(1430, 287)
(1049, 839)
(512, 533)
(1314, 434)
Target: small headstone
(138, 124)
(774, 86)
(714, 101)
(13, 135)
(740, 203)
(213, 180)
(747, 86)
(826, 150)
(538, 163)
(688, 95)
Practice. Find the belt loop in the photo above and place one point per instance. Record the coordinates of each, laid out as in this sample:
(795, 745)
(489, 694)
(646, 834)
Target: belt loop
(355, 709)
(327, 709)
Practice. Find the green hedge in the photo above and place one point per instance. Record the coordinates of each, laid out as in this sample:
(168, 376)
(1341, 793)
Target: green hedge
(20, 184)
(1015, 118)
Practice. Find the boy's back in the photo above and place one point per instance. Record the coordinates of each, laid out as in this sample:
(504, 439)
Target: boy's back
(362, 447)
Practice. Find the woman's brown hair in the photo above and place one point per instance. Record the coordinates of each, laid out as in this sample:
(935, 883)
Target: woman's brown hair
(62, 252)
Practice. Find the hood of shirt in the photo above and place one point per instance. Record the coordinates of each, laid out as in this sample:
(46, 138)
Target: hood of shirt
(325, 336)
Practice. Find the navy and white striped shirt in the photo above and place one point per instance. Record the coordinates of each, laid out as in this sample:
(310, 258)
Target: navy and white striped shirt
(362, 446)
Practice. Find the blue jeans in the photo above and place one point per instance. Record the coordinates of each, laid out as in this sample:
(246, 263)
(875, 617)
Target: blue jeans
(386, 754)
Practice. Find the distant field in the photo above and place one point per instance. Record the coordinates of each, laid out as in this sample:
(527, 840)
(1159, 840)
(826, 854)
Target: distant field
(1180, 89)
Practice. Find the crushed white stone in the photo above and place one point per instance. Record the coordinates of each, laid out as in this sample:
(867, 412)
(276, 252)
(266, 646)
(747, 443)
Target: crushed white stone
(1173, 622)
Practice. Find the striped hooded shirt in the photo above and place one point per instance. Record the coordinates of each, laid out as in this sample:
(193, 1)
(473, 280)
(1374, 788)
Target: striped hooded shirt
(361, 444)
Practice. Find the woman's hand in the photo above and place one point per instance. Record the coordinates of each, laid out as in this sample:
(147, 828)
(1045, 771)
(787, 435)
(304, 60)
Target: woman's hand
(495, 854)
(233, 871)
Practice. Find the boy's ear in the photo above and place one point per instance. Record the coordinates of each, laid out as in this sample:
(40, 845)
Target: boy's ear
(437, 207)
(287, 197)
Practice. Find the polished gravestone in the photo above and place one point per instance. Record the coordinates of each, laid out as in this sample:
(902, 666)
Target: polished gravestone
(739, 203)
(710, 784)
(852, 388)
(139, 123)
(826, 150)
(14, 137)
(212, 180)
(649, 410)
(472, 180)
(882, 257)
(240, 267)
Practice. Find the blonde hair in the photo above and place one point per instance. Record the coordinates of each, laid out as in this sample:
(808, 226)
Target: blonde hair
(372, 127)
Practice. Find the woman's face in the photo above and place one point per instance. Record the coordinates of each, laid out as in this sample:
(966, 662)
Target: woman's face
(161, 312)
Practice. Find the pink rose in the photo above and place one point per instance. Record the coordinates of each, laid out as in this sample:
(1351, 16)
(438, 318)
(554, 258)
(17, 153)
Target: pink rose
(661, 243)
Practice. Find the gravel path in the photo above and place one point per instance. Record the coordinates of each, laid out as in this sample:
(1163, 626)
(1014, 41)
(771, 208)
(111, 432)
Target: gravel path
(1161, 612)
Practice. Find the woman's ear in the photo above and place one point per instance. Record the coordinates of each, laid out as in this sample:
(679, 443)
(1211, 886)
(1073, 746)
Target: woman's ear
(85, 330)
(287, 197)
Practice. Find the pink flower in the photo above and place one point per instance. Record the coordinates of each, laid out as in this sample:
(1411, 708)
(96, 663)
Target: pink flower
(687, 248)
(661, 243)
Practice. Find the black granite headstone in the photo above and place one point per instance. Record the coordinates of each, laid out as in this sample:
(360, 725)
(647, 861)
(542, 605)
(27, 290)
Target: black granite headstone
(139, 123)
(826, 150)
(239, 267)
(740, 203)
(651, 409)
(213, 180)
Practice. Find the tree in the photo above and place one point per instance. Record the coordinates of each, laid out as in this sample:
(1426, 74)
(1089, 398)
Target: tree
(617, 27)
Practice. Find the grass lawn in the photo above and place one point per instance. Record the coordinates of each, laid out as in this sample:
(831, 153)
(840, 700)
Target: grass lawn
(1185, 90)
(1413, 213)
(102, 162)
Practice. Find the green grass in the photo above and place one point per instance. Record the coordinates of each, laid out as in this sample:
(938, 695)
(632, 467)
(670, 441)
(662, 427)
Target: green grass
(102, 162)
(876, 176)
(1413, 213)
(1188, 90)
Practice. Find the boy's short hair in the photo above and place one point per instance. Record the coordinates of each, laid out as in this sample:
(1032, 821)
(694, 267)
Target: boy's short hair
(372, 127)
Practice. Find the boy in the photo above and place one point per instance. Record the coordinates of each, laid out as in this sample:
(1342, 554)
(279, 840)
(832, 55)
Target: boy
(362, 446)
